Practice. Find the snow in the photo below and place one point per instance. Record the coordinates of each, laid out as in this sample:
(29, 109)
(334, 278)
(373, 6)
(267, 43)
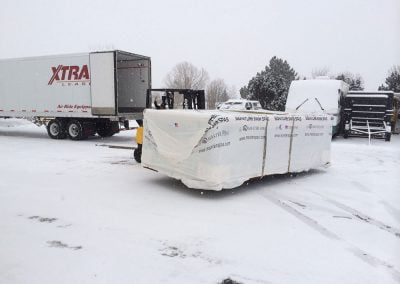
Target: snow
(304, 92)
(77, 212)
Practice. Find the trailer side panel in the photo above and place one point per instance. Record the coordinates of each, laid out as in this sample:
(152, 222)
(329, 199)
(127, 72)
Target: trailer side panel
(46, 86)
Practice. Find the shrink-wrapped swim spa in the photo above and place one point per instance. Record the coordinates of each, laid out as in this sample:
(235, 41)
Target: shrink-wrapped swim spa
(213, 150)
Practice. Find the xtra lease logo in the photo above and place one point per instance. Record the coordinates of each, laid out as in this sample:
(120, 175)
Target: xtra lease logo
(70, 75)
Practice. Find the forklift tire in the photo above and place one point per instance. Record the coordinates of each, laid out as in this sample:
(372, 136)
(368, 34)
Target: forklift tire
(137, 154)
(56, 129)
(387, 137)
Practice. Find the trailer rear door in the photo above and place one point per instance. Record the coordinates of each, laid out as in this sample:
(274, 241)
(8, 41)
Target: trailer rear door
(133, 80)
(102, 83)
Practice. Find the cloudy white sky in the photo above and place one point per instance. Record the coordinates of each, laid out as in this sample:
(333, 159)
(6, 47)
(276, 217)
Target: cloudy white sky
(230, 39)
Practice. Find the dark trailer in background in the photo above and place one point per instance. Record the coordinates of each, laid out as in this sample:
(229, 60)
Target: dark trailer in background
(368, 114)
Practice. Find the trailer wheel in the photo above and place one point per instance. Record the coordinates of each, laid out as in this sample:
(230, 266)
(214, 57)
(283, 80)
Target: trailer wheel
(388, 136)
(75, 130)
(346, 134)
(56, 129)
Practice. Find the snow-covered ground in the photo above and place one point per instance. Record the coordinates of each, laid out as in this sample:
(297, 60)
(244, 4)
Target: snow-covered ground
(77, 212)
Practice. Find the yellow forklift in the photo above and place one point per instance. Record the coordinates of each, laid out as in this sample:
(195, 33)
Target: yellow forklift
(170, 99)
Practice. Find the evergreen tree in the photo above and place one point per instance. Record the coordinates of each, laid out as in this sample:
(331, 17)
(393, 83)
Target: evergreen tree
(356, 82)
(392, 82)
(271, 86)
(244, 92)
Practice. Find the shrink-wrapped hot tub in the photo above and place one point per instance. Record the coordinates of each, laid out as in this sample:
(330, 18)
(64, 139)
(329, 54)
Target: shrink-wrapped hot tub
(213, 150)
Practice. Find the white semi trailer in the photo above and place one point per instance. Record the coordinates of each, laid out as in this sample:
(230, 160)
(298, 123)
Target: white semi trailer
(76, 95)
(321, 95)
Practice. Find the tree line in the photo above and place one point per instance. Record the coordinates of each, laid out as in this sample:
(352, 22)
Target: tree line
(187, 76)
(269, 86)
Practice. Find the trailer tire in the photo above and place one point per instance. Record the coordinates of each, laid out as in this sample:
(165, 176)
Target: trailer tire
(346, 134)
(387, 137)
(56, 129)
(75, 130)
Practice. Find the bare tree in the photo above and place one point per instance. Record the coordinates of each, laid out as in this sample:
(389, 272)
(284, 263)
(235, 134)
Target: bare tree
(232, 93)
(186, 76)
(321, 71)
(217, 92)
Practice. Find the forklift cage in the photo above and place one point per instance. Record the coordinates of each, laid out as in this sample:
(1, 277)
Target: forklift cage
(192, 99)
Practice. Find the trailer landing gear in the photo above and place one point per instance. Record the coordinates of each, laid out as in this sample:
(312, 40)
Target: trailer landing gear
(107, 129)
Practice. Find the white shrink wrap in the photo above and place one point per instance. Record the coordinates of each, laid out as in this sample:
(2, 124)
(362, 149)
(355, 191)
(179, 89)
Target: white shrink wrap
(213, 150)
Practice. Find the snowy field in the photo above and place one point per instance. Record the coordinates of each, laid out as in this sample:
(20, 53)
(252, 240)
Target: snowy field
(77, 212)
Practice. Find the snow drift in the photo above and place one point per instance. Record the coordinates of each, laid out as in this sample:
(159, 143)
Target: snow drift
(222, 149)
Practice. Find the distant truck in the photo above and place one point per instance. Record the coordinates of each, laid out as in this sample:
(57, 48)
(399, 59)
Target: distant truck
(316, 96)
(76, 95)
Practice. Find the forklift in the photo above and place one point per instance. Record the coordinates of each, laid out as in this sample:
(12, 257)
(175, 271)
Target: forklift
(171, 99)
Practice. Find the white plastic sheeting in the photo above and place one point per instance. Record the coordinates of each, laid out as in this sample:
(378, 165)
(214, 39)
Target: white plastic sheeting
(222, 149)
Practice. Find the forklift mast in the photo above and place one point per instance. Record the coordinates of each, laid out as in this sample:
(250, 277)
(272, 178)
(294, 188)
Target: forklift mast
(192, 99)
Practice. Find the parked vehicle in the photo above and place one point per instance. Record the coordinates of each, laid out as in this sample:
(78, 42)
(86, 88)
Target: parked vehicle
(368, 114)
(76, 95)
(240, 104)
(316, 96)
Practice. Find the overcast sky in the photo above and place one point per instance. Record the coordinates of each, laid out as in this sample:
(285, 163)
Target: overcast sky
(230, 39)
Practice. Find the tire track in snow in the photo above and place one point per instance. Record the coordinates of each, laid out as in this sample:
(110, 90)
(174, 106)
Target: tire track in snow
(367, 219)
(370, 259)
(362, 217)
